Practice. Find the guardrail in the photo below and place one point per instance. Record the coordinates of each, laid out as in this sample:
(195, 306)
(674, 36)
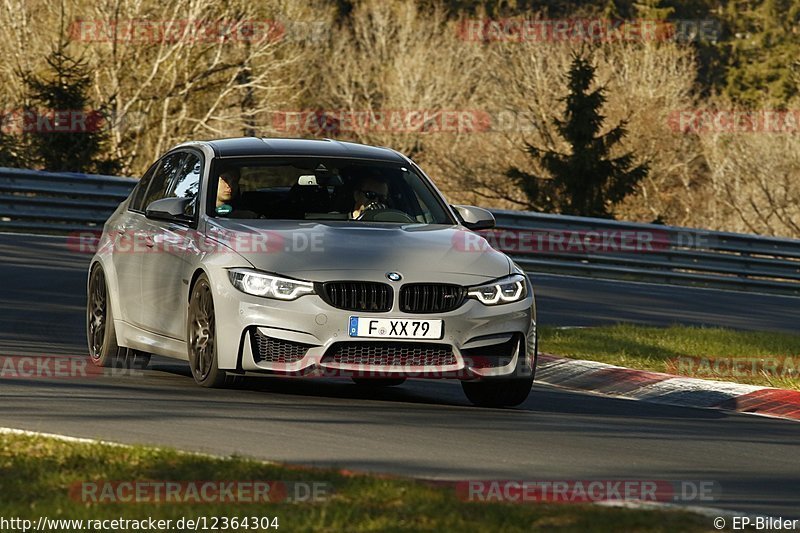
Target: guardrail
(58, 202)
(647, 252)
(48, 202)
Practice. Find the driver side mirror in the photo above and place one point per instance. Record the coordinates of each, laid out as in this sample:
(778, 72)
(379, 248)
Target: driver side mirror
(474, 218)
(171, 209)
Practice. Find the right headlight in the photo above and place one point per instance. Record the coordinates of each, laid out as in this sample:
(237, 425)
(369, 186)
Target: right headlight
(502, 291)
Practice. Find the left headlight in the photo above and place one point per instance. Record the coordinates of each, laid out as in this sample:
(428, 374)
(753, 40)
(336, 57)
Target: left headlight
(269, 286)
(502, 291)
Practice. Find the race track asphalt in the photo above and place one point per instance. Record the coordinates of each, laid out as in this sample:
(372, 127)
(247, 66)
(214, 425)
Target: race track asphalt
(423, 428)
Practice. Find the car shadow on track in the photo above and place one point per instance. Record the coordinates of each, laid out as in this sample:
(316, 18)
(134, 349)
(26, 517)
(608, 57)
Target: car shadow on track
(544, 399)
(340, 388)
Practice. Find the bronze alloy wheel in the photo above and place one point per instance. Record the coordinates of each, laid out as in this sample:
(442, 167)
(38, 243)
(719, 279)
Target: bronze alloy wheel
(100, 334)
(97, 314)
(201, 337)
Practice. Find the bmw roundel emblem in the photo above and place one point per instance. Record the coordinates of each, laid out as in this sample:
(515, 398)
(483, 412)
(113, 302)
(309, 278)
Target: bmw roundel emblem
(394, 276)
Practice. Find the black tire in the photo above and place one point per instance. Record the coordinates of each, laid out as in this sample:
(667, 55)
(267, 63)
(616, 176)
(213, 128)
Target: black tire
(504, 392)
(498, 392)
(379, 382)
(100, 333)
(201, 338)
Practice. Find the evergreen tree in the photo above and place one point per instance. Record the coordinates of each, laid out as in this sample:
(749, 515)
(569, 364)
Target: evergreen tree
(10, 150)
(587, 181)
(762, 52)
(64, 132)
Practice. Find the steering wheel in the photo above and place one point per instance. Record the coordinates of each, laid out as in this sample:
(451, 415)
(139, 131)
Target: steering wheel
(385, 215)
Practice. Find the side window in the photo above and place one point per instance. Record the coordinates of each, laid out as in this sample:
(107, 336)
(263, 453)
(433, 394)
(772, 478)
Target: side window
(162, 178)
(186, 183)
(141, 188)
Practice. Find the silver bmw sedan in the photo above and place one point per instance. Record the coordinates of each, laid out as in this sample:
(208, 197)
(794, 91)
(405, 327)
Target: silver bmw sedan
(312, 258)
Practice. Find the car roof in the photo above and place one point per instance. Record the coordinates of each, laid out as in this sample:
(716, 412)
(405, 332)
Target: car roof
(255, 146)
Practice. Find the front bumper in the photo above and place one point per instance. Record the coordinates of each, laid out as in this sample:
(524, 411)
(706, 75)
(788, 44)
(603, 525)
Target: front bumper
(482, 341)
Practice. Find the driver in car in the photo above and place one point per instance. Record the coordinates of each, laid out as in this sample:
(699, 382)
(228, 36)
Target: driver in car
(370, 193)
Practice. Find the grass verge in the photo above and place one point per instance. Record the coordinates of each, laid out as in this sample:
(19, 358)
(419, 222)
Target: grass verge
(38, 476)
(759, 358)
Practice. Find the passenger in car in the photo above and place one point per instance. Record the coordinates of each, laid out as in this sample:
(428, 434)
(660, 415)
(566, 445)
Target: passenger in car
(229, 199)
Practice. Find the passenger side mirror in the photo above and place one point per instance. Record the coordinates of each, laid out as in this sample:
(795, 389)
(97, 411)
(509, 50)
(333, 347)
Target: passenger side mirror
(474, 218)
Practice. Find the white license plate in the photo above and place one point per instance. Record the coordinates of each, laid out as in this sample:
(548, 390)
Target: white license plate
(395, 328)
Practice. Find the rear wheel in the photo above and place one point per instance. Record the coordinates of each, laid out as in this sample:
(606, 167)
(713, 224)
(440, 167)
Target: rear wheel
(201, 337)
(100, 333)
(379, 382)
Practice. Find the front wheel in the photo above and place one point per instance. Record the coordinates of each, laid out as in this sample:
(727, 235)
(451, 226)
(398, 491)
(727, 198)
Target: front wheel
(498, 392)
(505, 392)
(201, 337)
(102, 338)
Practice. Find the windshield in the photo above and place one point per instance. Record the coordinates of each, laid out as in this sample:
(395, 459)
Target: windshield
(308, 188)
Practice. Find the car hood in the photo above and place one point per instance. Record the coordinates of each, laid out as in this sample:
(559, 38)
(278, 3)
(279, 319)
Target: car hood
(320, 251)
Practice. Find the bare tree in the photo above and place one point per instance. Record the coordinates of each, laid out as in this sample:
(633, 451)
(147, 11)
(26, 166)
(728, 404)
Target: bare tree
(219, 72)
(754, 176)
(402, 70)
(178, 69)
(175, 69)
